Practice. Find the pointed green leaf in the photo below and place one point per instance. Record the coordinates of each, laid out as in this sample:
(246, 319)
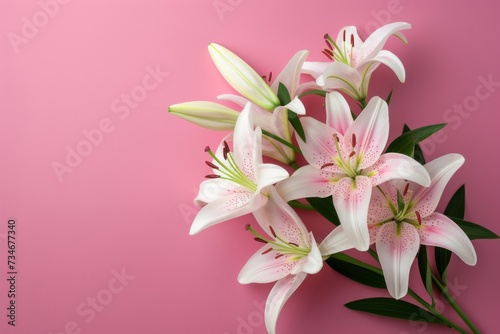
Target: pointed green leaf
(443, 257)
(425, 270)
(388, 99)
(418, 154)
(456, 205)
(474, 231)
(324, 206)
(393, 308)
(357, 271)
(293, 118)
(405, 144)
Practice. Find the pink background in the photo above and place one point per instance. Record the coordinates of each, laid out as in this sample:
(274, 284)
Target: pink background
(126, 207)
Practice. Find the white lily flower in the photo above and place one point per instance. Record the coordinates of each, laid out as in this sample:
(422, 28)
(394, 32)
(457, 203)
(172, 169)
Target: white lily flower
(240, 180)
(346, 161)
(354, 60)
(289, 254)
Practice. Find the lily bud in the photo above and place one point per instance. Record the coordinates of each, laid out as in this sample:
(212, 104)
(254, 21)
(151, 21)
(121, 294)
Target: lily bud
(243, 78)
(207, 114)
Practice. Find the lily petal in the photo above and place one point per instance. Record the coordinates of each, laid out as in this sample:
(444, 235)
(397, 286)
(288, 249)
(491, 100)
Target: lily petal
(225, 208)
(296, 106)
(247, 143)
(278, 296)
(338, 113)
(440, 171)
(397, 247)
(307, 181)
(397, 166)
(376, 41)
(313, 261)
(335, 242)
(242, 77)
(439, 230)
(269, 174)
(314, 68)
(371, 129)
(341, 76)
(351, 199)
(290, 75)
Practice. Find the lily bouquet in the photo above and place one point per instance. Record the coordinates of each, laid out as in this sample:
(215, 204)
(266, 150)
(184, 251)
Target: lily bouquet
(373, 192)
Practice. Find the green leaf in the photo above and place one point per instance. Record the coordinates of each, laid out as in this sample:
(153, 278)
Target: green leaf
(393, 308)
(388, 99)
(406, 142)
(293, 118)
(425, 270)
(455, 208)
(418, 154)
(474, 231)
(359, 272)
(324, 206)
(313, 91)
(456, 205)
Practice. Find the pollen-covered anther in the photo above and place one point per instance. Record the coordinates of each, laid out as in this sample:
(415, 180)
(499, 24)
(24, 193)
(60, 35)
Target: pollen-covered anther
(328, 164)
(325, 52)
(272, 231)
(329, 52)
(343, 36)
(353, 140)
(207, 149)
(260, 240)
(293, 244)
(328, 44)
(352, 154)
(225, 151)
(212, 176)
(270, 76)
(278, 256)
(212, 165)
(419, 219)
(406, 189)
(352, 40)
(266, 251)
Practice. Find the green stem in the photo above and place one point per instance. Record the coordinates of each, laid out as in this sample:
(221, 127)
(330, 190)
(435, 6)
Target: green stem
(454, 305)
(281, 140)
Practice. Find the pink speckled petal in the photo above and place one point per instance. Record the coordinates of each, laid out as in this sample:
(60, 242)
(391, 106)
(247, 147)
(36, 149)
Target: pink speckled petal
(379, 209)
(371, 129)
(440, 171)
(308, 181)
(439, 230)
(392, 166)
(338, 113)
(351, 200)
(225, 208)
(319, 147)
(266, 268)
(285, 222)
(278, 296)
(396, 252)
(247, 149)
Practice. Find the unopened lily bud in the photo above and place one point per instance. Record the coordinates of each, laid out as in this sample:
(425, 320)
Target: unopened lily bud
(207, 114)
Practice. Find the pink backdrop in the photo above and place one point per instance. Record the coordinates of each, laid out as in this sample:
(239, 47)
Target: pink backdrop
(102, 238)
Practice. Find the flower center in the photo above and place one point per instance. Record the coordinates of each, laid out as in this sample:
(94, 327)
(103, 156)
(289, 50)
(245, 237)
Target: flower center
(402, 210)
(281, 246)
(349, 164)
(228, 169)
(343, 54)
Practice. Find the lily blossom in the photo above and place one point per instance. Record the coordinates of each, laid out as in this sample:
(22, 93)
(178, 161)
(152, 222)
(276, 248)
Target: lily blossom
(271, 113)
(289, 254)
(207, 114)
(240, 180)
(401, 218)
(346, 161)
(354, 60)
